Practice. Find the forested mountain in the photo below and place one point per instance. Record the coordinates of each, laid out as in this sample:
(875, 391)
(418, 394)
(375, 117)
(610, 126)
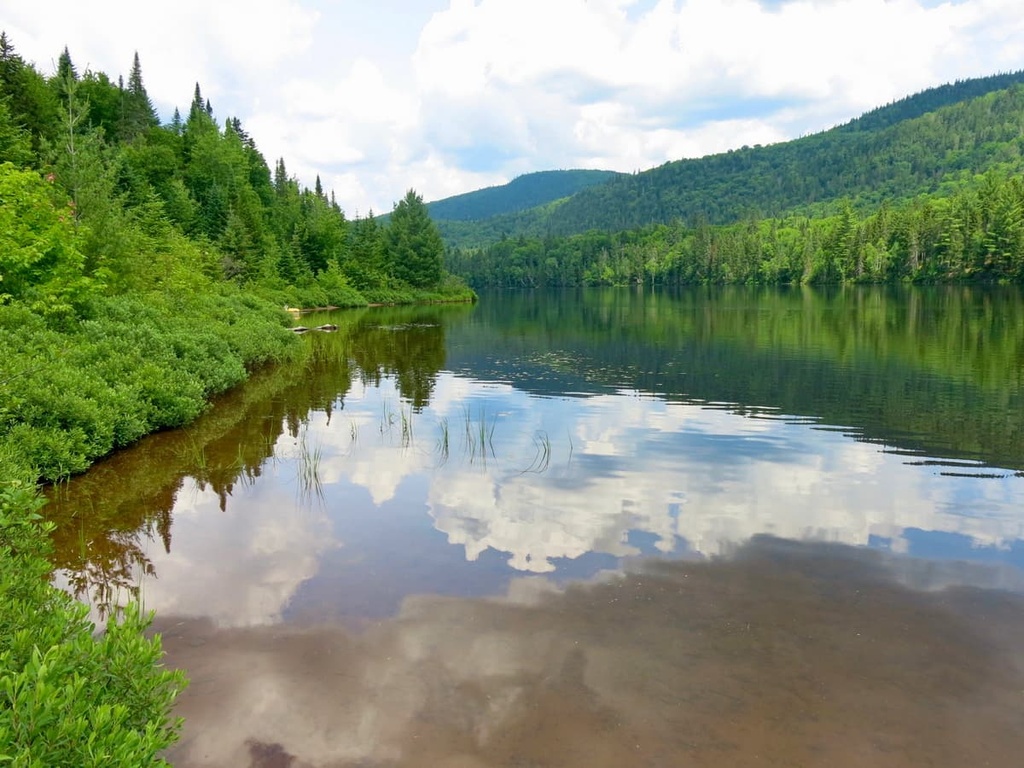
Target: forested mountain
(527, 191)
(935, 197)
(975, 234)
(922, 144)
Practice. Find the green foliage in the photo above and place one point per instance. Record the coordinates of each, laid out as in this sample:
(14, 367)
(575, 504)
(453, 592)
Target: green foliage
(15, 145)
(975, 234)
(68, 697)
(135, 364)
(40, 263)
(415, 245)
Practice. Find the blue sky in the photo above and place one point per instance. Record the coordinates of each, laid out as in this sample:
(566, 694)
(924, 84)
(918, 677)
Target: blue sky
(446, 97)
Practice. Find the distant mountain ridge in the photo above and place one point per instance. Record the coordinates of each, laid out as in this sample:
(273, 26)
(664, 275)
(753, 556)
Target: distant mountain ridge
(527, 191)
(912, 146)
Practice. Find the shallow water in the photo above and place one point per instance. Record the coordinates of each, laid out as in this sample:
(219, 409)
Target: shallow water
(603, 528)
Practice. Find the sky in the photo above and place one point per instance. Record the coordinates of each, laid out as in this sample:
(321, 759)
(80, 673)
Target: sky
(379, 96)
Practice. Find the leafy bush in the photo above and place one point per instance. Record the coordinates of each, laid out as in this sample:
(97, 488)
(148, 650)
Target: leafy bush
(136, 364)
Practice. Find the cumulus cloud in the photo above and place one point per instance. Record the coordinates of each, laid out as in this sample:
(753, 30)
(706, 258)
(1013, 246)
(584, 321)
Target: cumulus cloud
(448, 98)
(240, 566)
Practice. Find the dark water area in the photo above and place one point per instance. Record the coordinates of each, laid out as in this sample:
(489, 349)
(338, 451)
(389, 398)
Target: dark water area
(595, 528)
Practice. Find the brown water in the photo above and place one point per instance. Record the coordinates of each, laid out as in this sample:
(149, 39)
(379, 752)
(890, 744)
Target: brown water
(781, 655)
(608, 529)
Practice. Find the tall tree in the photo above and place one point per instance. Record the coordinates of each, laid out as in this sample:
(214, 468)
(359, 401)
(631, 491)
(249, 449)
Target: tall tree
(31, 101)
(416, 250)
(138, 112)
(66, 71)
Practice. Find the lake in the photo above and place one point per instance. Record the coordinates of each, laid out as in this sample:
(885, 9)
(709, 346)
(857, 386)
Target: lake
(609, 527)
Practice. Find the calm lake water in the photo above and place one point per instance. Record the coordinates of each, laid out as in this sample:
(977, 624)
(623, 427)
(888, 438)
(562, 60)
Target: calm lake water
(603, 528)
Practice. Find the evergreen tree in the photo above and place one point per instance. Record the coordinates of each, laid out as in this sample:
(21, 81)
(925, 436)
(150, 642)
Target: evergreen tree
(15, 146)
(197, 104)
(416, 250)
(66, 72)
(365, 259)
(32, 102)
(137, 110)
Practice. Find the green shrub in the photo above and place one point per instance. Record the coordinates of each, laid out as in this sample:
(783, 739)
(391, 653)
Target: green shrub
(135, 364)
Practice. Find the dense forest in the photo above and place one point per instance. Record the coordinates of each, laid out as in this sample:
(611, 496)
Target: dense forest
(146, 202)
(976, 234)
(181, 232)
(144, 269)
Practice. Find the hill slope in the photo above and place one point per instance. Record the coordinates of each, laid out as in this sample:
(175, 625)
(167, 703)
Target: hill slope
(527, 191)
(912, 146)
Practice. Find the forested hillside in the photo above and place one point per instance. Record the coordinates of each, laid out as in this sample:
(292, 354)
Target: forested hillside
(895, 195)
(974, 234)
(922, 144)
(527, 191)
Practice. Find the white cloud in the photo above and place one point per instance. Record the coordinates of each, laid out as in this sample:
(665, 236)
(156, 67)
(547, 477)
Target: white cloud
(448, 98)
(276, 549)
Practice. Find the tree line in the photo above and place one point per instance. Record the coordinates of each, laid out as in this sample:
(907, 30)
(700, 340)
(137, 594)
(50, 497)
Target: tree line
(976, 234)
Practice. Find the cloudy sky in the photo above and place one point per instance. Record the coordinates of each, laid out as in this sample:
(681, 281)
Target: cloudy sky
(381, 95)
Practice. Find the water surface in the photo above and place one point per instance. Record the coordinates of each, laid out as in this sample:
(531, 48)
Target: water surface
(716, 527)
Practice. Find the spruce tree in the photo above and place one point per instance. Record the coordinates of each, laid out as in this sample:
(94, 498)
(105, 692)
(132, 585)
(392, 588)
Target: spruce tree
(138, 112)
(416, 249)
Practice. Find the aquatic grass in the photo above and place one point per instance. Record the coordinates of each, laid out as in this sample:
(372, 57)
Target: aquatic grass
(444, 441)
(194, 453)
(407, 433)
(478, 434)
(387, 418)
(308, 470)
(542, 456)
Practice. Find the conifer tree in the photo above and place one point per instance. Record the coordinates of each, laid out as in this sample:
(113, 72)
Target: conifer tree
(65, 67)
(197, 104)
(416, 249)
(138, 113)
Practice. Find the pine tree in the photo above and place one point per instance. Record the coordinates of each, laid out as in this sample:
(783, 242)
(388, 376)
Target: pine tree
(138, 113)
(415, 244)
(197, 104)
(280, 177)
(65, 67)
